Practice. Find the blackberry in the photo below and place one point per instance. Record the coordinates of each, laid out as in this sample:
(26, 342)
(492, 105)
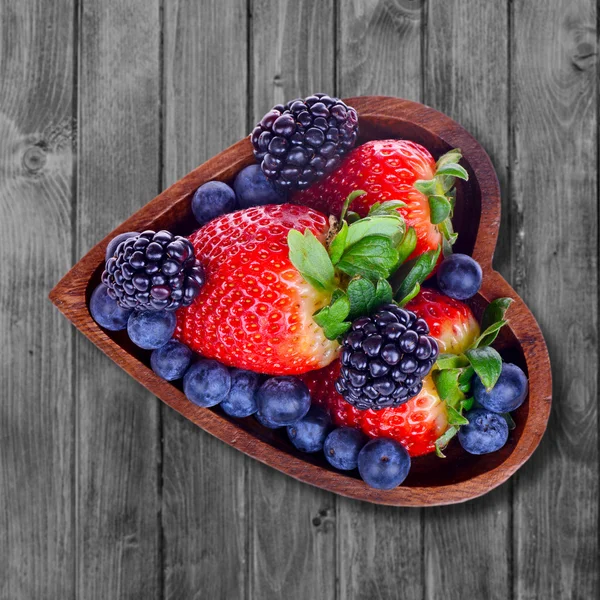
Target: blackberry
(153, 271)
(300, 142)
(384, 358)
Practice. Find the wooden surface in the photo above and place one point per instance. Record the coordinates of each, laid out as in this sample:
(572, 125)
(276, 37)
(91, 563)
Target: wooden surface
(84, 519)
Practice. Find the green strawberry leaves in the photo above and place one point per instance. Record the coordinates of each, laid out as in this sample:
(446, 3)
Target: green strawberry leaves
(338, 244)
(362, 297)
(373, 257)
(311, 259)
(487, 363)
(413, 274)
(332, 318)
(493, 321)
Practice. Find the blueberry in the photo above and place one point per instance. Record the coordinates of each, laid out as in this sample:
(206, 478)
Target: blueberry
(106, 312)
(485, 433)
(342, 447)
(171, 360)
(383, 463)
(507, 395)
(206, 383)
(112, 245)
(309, 433)
(252, 188)
(283, 400)
(266, 422)
(212, 200)
(151, 329)
(459, 276)
(241, 401)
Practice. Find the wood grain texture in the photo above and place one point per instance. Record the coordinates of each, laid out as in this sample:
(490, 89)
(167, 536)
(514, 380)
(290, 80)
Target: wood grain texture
(293, 526)
(554, 191)
(118, 452)
(380, 51)
(37, 449)
(204, 495)
(465, 75)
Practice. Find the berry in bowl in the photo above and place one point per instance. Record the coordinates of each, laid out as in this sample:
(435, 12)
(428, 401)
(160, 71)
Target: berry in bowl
(321, 297)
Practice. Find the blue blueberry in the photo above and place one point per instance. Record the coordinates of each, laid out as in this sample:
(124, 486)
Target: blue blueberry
(241, 401)
(171, 360)
(252, 188)
(383, 463)
(507, 395)
(342, 447)
(283, 400)
(485, 433)
(212, 200)
(309, 433)
(106, 312)
(206, 383)
(266, 422)
(459, 276)
(151, 329)
(112, 245)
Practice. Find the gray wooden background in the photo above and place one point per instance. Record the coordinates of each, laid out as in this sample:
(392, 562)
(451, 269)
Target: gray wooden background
(106, 494)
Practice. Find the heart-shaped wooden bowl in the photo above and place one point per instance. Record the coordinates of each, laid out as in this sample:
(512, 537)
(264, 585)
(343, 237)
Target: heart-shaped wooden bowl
(432, 481)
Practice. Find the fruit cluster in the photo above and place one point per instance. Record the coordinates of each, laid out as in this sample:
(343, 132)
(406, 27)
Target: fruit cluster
(307, 298)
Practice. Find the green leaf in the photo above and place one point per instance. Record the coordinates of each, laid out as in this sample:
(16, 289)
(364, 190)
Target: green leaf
(361, 293)
(372, 257)
(407, 245)
(487, 364)
(422, 267)
(388, 226)
(385, 208)
(509, 421)
(455, 418)
(310, 257)
(466, 404)
(383, 292)
(352, 196)
(446, 382)
(352, 217)
(442, 442)
(426, 186)
(332, 318)
(464, 380)
(452, 156)
(410, 295)
(452, 361)
(338, 243)
(495, 311)
(439, 209)
(488, 337)
(453, 170)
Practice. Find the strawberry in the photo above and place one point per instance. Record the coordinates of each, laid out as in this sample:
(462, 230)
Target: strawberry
(255, 309)
(450, 322)
(394, 170)
(417, 424)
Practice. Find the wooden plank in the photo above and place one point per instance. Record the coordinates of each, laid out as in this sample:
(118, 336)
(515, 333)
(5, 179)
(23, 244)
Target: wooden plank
(379, 52)
(118, 533)
(204, 493)
(293, 526)
(466, 73)
(36, 349)
(555, 204)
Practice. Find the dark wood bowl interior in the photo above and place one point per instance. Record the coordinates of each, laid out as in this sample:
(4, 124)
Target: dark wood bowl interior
(432, 480)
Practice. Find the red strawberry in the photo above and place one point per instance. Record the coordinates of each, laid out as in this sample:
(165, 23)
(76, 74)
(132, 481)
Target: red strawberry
(451, 322)
(416, 424)
(385, 170)
(255, 310)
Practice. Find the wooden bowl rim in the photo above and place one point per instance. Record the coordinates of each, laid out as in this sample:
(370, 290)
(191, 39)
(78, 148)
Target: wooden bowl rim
(69, 295)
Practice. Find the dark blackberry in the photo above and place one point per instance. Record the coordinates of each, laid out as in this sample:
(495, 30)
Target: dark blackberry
(384, 358)
(153, 271)
(301, 142)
